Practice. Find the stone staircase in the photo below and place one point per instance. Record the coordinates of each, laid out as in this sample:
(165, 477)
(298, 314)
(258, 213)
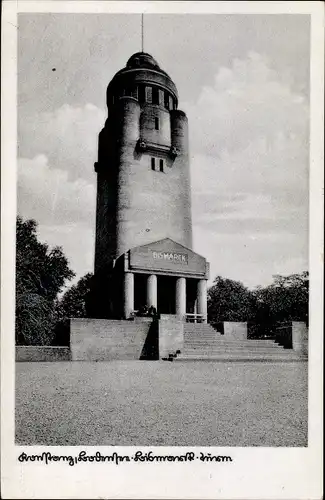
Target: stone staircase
(202, 342)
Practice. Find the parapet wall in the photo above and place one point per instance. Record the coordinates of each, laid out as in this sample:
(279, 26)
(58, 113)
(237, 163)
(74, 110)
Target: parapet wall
(300, 337)
(293, 335)
(234, 330)
(42, 353)
(107, 340)
(170, 335)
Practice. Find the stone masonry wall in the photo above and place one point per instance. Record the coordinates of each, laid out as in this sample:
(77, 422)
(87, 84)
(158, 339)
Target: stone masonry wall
(171, 335)
(107, 340)
(235, 330)
(42, 353)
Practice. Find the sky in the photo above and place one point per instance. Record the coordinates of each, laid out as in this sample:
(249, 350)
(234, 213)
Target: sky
(243, 81)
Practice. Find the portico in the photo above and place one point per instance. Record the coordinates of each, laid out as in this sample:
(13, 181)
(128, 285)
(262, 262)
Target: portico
(175, 280)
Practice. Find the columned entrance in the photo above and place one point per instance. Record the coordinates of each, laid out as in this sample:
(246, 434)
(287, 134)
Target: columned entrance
(181, 297)
(167, 294)
(167, 276)
(202, 299)
(166, 303)
(140, 290)
(152, 291)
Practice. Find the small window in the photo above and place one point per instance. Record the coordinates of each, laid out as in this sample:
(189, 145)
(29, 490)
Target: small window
(166, 100)
(149, 94)
(153, 166)
(155, 96)
(134, 92)
(161, 97)
(142, 96)
(156, 123)
(171, 103)
(161, 165)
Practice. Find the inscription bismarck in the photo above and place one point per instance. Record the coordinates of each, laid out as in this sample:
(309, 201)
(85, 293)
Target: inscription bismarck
(179, 258)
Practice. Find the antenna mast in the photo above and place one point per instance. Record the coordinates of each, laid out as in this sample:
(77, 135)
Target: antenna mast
(141, 32)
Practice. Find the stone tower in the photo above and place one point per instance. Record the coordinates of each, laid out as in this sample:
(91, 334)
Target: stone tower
(143, 177)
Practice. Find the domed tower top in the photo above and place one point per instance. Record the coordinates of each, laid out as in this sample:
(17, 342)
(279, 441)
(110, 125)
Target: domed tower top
(142, 59)
(144, 80)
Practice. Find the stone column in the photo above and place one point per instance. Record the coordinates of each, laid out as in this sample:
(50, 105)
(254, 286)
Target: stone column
(128, 294)
(152, 291)
(181, 297)
(202, 299)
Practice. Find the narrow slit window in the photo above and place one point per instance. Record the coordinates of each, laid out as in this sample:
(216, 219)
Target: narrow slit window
(153, 166)
(166, 100)
(161, 97)
(149, 95)
(161, 165)
(156, 123)
(134, 92)
(155, 96)
(142, 94)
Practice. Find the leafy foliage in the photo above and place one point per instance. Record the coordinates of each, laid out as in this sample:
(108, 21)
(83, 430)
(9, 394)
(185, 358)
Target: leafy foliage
(41, 273)
(73, 302)
(229, 300)
(286, 299)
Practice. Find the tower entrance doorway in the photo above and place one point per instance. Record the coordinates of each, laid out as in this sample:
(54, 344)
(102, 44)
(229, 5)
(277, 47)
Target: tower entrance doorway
(166, 295)
(140, 287)
(191, 295)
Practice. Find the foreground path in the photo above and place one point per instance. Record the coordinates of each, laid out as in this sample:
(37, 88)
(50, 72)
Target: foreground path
(160, 403)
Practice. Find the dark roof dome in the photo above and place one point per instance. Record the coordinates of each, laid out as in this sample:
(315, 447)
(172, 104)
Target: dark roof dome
(141, 69)
(142, 60)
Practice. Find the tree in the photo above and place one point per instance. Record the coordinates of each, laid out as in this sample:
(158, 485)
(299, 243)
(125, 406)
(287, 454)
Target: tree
(229, 300)
(41, 273)
(73, 302)
(286, 299)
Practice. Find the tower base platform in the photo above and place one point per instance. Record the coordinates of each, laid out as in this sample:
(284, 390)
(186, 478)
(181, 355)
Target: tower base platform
(166, 338)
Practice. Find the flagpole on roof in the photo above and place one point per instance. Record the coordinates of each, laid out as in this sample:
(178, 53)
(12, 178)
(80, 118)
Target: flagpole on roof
(142, 34)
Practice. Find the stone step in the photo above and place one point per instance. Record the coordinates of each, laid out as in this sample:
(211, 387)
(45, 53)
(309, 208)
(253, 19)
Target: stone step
(225, 359)
(223, 337)
(202, 334)
(199, 328)
(240, 357)
(236, 349)
(198, 341)
(230, 342)
(237, 354)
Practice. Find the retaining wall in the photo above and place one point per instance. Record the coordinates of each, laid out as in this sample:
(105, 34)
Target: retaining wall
(293, 335)
(170, 335)
(106, 340)
(235, 330)
(42, 353)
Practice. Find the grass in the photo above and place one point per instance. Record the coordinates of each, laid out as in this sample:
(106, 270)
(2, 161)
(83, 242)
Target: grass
(161, 404)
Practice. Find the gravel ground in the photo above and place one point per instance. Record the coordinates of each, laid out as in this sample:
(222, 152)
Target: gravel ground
(161, 403)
